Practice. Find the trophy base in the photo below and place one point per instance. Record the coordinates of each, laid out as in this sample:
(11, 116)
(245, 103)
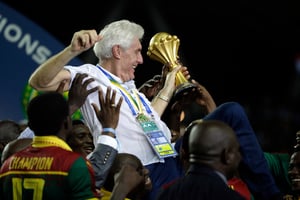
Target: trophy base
(183, 89)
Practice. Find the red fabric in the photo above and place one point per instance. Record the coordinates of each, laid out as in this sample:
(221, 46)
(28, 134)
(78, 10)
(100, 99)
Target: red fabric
(240, 186)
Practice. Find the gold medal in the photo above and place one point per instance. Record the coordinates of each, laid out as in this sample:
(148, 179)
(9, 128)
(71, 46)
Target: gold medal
(142, 118)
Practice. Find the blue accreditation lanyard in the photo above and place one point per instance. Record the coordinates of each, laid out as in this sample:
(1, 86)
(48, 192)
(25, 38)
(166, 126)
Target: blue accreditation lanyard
(134, 101)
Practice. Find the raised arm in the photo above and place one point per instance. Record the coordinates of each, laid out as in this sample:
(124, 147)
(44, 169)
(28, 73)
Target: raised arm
(163, 97)
(51, 73)
(104, 154)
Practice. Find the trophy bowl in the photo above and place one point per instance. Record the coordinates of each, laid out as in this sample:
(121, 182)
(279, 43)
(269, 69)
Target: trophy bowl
(163, 48)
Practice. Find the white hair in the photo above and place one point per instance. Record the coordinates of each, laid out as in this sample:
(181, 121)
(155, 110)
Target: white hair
(121, 32)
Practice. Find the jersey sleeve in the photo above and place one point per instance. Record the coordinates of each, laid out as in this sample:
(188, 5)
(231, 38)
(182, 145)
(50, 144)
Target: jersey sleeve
(81, 179)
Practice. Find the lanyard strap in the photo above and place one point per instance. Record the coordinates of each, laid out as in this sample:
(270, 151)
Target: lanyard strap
(137, 101)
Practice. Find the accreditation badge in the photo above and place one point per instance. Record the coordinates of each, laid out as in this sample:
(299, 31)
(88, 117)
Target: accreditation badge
(160, 144)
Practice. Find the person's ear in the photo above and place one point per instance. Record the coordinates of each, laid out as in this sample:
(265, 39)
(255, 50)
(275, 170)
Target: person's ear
(224, 156)
(227, 156)
(116, 51)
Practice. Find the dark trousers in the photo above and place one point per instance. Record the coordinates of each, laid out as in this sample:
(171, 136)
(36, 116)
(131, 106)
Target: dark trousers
(162, 174)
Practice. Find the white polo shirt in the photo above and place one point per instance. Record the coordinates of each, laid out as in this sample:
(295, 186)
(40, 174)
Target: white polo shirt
(130, 136)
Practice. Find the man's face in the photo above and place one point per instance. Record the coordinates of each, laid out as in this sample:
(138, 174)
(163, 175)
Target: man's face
(130, 59)
(294, 171)
(81, 139)
(143, 187)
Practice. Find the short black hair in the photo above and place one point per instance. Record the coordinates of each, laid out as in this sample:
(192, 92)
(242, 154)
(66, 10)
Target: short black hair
(46, 113)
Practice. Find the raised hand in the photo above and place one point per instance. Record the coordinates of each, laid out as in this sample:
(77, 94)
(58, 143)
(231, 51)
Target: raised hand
(84, 40)
(108, 115)
(79, 92)
(151, 87)
(204, 98)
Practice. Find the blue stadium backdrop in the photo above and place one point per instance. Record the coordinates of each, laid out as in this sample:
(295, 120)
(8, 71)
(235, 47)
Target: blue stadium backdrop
(23, 47)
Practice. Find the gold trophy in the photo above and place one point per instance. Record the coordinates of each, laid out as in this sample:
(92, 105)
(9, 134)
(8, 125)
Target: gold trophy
(163, 48)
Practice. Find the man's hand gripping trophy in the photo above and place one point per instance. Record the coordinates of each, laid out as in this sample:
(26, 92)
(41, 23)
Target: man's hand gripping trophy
(163, 48)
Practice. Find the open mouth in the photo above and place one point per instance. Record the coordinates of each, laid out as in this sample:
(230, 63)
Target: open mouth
(88, 149)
